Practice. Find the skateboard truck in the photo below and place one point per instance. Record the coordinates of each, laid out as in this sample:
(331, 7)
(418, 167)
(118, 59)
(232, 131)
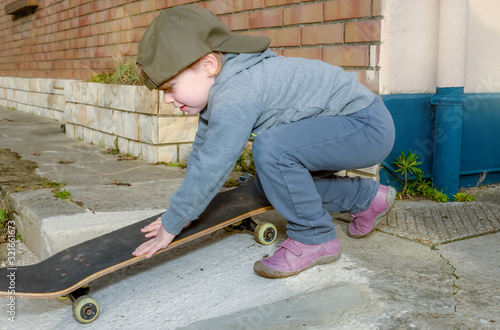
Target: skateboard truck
(85, 308)
(264, 233)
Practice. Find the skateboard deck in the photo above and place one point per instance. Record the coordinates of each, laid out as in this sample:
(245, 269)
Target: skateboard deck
(69, 270)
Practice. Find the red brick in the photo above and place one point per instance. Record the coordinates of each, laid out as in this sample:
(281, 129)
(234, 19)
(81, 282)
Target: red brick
(322, 34)
(145, 6)
(377, 8)
(172, 3)
(346, 55)
(142, 20)
(266, 18)
(162, 4)
(241, 5)
(362, 31)
(237, 21)
(313, 53)
(209, 5)
(219, 6)
(310, 13)
(346, 9)
(284, 37)
(132, 8)
(272, 3)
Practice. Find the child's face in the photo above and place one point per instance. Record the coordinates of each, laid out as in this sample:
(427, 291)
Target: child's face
(189, 90)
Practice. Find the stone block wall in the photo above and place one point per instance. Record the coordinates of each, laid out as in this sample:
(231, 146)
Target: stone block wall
(37, 96)
(131, 117)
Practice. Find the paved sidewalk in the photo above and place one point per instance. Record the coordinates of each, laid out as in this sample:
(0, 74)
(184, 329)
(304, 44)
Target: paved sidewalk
(432, 266)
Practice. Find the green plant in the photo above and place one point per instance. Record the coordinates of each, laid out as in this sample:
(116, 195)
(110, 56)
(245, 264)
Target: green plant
(422, 187)
(463, 197)
(102, 145)
(245, 163)
(3, 220)
(110, 151)
(116, 151)
(418, 186)
(438, 196)
(124, 73)
(52, 184)
(231, 183)
(6, 228)
(407, 165)
(62, 194)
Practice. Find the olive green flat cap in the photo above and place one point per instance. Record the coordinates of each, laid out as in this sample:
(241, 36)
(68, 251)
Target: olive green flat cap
(181, 35)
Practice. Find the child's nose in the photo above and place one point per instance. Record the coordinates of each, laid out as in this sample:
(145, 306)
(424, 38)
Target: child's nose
(167, 98)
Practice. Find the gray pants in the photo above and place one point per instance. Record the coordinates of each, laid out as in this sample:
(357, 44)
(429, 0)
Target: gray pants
(287, 157)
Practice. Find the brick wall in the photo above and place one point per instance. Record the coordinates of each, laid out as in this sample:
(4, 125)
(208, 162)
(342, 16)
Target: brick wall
(75, 38)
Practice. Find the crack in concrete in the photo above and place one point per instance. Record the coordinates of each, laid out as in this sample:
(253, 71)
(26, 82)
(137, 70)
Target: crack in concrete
(454, 270)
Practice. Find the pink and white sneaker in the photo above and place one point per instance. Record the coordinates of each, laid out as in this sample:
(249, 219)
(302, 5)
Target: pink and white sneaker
(364, 223)
(293, 257)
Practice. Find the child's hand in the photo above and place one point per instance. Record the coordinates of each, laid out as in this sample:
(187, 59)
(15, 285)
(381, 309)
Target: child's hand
(161, 239)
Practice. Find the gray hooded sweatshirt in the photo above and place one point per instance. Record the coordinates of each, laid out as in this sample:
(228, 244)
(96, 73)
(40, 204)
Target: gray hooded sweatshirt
(253, 93)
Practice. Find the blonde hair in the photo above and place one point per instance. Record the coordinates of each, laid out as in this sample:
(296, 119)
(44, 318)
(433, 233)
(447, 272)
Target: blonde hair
(166, 85)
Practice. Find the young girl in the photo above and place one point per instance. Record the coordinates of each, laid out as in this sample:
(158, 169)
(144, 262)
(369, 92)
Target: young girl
(306, 116)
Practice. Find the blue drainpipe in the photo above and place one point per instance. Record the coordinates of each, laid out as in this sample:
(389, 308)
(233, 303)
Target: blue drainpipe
(449, 98)
(449, 102)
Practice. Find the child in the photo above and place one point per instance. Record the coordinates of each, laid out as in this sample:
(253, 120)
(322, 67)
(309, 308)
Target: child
(307, 116)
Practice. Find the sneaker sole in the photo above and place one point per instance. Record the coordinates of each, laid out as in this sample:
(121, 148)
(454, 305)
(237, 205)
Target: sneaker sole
(391, 199)
(267, 272)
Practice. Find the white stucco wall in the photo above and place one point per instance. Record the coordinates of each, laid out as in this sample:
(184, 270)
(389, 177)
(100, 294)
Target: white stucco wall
(410, 55)
(452, 43)
(482, 73)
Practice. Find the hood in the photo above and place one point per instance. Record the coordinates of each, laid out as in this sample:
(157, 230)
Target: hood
(233, 65)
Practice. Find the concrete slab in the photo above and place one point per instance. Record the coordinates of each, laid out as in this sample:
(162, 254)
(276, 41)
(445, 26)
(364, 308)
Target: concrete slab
(440, 276)
(477, 268)
(379, 283)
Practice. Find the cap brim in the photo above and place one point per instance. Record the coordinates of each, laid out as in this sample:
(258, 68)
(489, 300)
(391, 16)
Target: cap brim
(242, 43)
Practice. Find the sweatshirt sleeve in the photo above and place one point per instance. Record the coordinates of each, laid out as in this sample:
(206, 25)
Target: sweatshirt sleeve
(218, 144)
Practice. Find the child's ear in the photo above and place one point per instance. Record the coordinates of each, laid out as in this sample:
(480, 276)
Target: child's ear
(210, 64)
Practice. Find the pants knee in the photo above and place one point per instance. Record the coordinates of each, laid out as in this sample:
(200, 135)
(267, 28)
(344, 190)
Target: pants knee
(262, 152)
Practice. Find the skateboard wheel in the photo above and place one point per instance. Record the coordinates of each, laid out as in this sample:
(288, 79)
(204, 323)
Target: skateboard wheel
(85, 309)
(265, 233)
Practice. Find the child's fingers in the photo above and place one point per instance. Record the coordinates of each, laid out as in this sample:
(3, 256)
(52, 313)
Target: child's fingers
(153, 226)
(140, 250)
(151, 234)
(162, 240)
(149, 248)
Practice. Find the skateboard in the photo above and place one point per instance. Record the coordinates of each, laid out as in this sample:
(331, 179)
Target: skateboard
(67, 273)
